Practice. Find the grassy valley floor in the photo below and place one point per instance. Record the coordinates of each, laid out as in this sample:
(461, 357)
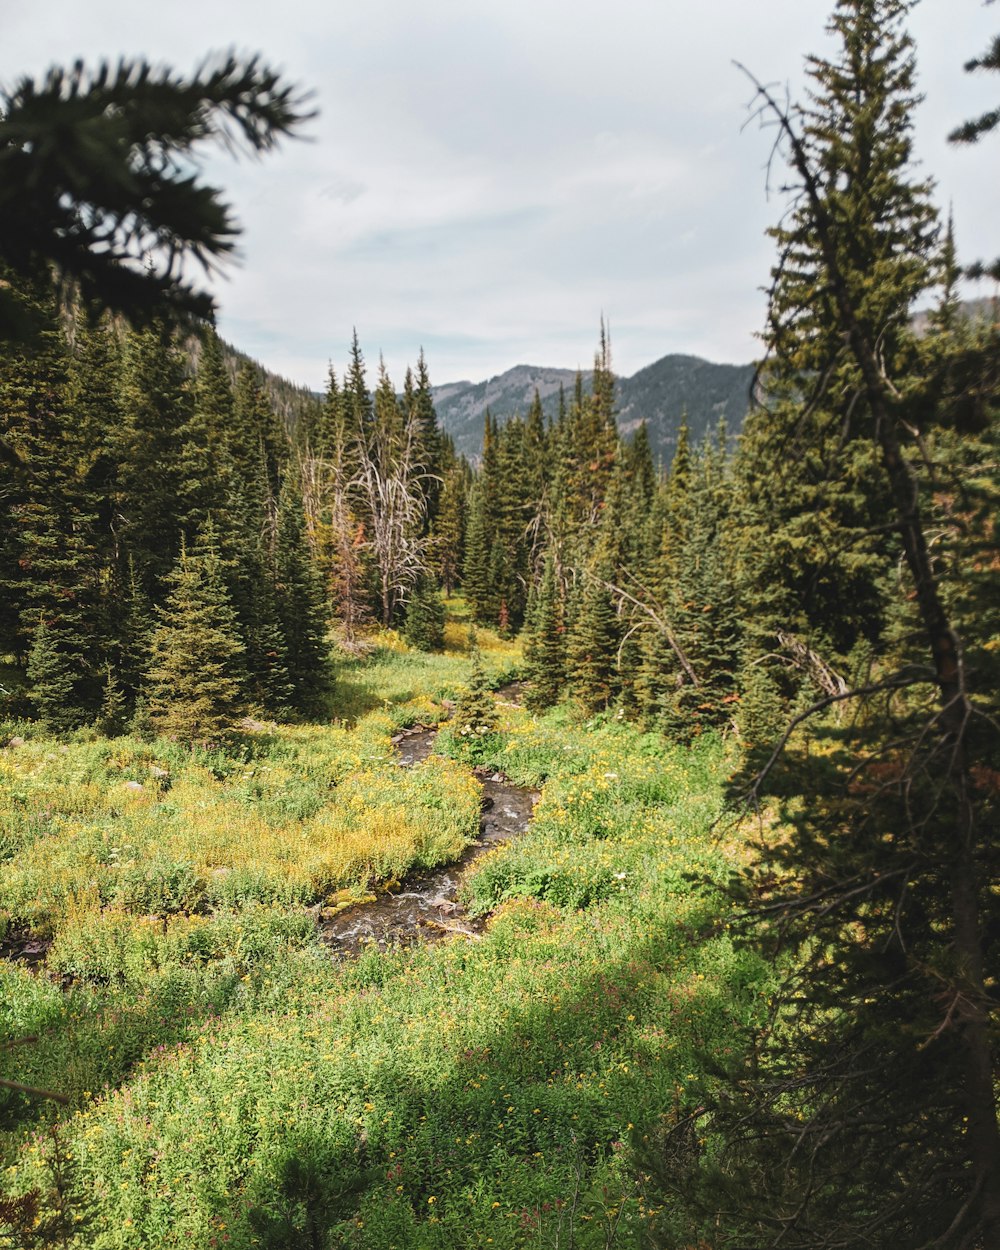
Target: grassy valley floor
(231, 1084)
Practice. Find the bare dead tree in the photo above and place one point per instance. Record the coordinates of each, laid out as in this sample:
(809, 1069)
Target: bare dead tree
(388, 481)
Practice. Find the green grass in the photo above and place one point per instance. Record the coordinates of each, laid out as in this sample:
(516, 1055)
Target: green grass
(412, 685)
(290, 817)
(232, 1086)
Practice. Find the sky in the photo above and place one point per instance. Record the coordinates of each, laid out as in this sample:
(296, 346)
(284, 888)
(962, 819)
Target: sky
(487, 179)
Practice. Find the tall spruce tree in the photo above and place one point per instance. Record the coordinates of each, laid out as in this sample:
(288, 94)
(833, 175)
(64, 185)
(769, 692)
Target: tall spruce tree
(592, 644)
(157, 403)
(130, 650)
(428, 460)
(479, 536)
(358, 410)
(299, 603)
(425, 618)
(660, 674)
(195, 678)
(870, 1114)
(51, 578)
(52, 674)
(207, 480)
(512, 509)
(448, 535)
(257, 442)
(593, 445)
(703, 605)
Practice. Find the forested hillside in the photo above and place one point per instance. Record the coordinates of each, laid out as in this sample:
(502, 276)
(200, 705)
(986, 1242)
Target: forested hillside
(292, 403)
(727, 978)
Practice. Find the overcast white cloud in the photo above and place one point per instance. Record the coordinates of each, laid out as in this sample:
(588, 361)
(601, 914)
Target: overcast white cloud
(487, 177)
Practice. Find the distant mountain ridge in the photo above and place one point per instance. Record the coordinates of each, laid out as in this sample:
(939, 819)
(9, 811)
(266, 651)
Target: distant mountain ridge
(660, 394)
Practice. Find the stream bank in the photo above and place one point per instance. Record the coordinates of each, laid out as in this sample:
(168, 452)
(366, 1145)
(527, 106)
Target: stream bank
(425, 906)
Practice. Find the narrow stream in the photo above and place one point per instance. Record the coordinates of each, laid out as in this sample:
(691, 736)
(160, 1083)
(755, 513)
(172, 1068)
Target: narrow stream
(425, 906)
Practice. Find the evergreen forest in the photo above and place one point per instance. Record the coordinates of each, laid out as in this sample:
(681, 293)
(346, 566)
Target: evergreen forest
(272, 663)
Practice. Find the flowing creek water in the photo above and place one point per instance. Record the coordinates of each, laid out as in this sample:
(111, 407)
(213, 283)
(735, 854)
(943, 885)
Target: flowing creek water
(425, 906)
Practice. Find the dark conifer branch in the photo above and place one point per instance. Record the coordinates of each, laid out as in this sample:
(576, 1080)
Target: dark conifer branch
(95, 175)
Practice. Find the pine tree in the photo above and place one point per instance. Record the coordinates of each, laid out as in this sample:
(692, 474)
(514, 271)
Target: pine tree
(257, 442)
(481, 564)
(299, 602)
(358, 412)
(592, 647)
(113, 715)
(94, 397)
(135, 628)
(52, 671)
(593, 442)
(194, 679)
(96, 415)
(872, 1117)
(424, 625)
(660, 674)
(157, 404)
(51, 577)
(448, 535)
(512, 507)
(266, 681)
(206, 477)
(545, 644)
(703, 601)
(538, 467)
(477, 582)
(642, 473)
(536, 448)
(429, 456)
(475, 712)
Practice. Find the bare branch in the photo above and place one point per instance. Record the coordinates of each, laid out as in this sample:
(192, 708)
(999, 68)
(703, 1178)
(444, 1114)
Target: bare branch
(656, 617)
(34, 1092)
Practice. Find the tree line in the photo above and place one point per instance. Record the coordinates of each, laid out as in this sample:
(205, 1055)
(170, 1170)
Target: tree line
(153, 535)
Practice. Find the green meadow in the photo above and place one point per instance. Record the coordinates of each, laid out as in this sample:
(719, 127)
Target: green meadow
(231, 1083)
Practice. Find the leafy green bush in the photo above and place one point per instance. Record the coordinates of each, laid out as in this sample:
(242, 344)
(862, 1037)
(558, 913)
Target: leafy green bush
(161, 886)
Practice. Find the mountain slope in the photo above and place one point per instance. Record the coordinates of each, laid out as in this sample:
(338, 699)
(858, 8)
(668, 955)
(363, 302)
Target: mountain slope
(660, 394)
(664, 391)
(461, 406)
